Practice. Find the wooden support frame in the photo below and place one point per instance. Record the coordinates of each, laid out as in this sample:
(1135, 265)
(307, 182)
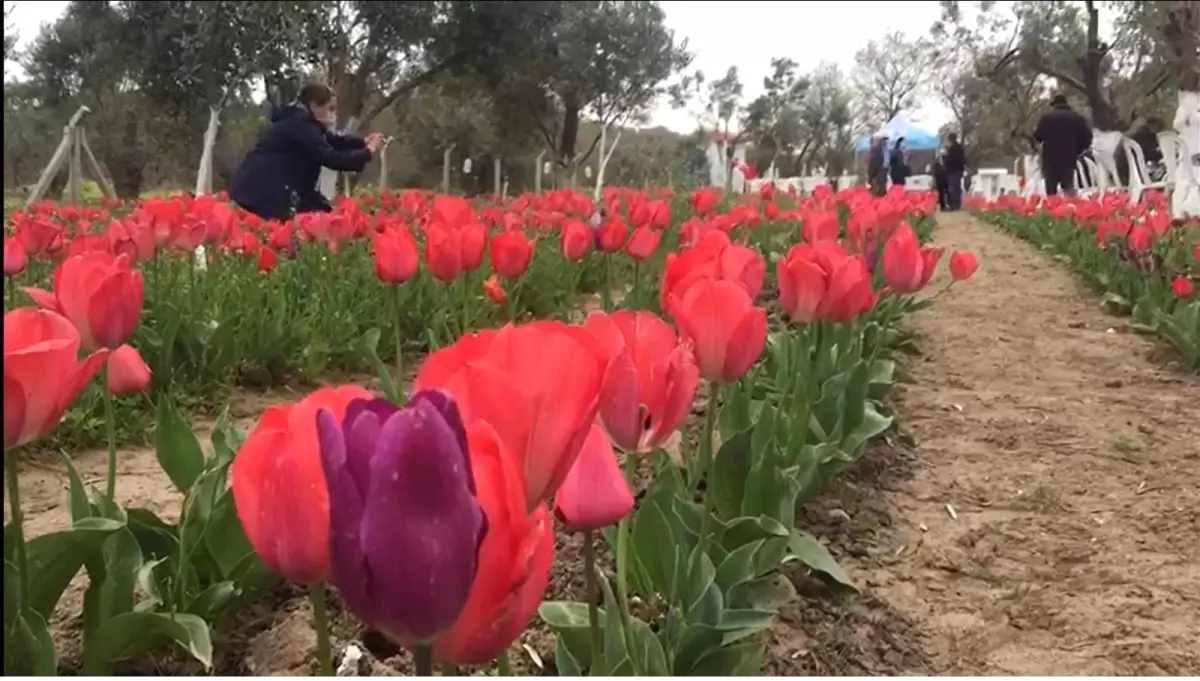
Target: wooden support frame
(73, 151)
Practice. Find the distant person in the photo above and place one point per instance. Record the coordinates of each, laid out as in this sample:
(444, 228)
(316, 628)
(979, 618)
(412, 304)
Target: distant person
(897, 164)
(278, 178)
(1064, 135)
(956, 171)
(877, 165)
(939, 182)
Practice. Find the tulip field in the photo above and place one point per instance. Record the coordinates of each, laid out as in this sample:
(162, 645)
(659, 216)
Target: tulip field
(426, 435)
(532, 413)
(1143, 264)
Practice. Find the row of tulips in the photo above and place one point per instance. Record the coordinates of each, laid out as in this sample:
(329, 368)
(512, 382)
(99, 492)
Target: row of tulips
(432, 511)
(1145, 264)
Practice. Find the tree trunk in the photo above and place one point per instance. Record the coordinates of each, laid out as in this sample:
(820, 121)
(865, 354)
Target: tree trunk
(569, 138)
(205, 173)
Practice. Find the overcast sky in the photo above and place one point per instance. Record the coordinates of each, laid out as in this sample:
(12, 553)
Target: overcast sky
(723, 34)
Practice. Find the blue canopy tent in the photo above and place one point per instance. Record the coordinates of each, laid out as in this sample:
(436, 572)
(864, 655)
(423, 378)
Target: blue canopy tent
(915, 138)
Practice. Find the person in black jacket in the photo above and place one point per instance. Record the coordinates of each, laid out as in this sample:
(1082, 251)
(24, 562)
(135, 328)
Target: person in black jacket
(939, 182)
(956, 170)
(877, 166)
(278, 178)
(897, 166)
(1064, 135)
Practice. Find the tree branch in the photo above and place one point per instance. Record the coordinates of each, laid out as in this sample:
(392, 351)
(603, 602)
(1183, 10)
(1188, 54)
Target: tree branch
(412, 84)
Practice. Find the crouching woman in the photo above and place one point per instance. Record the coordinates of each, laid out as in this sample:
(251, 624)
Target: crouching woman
(278, 178)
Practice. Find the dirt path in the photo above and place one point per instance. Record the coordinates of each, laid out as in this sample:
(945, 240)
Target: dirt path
(1052, 523)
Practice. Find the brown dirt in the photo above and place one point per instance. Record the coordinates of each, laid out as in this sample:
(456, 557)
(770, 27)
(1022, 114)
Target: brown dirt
(1070, 458)
(1050, 524)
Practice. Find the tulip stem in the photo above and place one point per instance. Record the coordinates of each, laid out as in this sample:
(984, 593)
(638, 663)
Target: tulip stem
(504, 664)
(316, 595)
(705, 455)
(466, 299)
(110, 419)
(592, 593)
(606, 297)
(11, 474)
(423, 659)
(450, 670)
(705, 465)
(635, 290)
(398, 303)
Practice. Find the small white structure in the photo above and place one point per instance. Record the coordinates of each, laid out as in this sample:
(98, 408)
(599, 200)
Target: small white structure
(1185, 197)
(718, 161)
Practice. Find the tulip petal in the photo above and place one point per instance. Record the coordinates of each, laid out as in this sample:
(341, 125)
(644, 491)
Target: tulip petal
(448, 409)
(349, 563)
(595, 493)
(42, 298)
(14, 412)
(360, 429)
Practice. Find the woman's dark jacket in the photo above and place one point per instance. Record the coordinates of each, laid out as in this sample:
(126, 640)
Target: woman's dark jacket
(279, 176)
(897, 167)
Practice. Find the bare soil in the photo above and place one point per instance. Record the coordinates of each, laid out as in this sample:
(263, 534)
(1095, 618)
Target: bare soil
(1037, 513)
(1048, 522)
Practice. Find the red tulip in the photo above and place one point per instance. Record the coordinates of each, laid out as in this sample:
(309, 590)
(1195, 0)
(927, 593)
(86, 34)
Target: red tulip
(510, 253)
(396, 257)
(537, 384)
(802, 284)
(712, 257)
(15, 258)
(595, 493)
(279, 486)
(850, 291)
(494, 291)
(906, 266)
(576, 240)
(612, 235)
(514, 558)
(100, 293)
(473, 241)
(643, 243)
(726, 328)
(650, 382)
(443, 253)
(963, 265)
(1182, 287)
(704, 201)
(268, 260)
(127, 372)
(42, 372)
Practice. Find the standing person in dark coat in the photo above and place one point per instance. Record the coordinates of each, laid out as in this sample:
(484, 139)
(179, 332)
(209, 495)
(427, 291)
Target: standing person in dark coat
(877, 166)
(939, 182)
(956, 170)
(897, 165)
(278, 178)
(1064, 135)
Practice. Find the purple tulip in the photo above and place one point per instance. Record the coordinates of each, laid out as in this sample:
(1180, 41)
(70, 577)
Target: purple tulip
(872, 259)
(405, 524)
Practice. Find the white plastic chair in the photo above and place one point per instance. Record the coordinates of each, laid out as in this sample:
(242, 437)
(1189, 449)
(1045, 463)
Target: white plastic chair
(1139, 172)
(1087, 177)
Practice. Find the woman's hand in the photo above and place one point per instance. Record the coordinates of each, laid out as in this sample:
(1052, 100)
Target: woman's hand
(374, 142)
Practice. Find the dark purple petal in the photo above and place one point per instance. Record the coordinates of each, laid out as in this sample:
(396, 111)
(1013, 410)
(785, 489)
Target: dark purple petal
(360, 429)
(345, 513)
(421, 525)
(445, 405)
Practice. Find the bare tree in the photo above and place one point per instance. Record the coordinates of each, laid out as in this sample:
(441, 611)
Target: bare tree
(890, 74)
